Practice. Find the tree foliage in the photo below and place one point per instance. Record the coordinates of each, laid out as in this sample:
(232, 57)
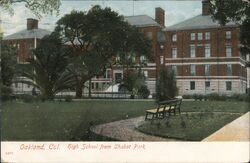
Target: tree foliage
(96, 37)
(49, 63)
(8, 64)
(237, 11)
(38, 7)
(133, 81)
(166, 85)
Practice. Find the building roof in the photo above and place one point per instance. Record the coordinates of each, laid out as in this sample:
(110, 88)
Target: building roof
(28, 34)
(197, 22)
(141, 21)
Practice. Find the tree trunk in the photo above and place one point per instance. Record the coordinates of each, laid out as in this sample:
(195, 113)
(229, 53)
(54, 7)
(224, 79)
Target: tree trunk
(79, 90)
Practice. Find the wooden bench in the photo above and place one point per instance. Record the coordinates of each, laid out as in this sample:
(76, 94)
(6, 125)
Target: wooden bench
(164, 108)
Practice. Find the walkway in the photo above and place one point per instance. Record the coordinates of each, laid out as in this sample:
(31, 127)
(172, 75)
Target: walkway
(124, 130)
(238, 130)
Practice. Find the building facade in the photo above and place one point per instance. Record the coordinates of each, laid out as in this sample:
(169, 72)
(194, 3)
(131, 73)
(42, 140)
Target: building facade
(205, 56)
(25, 41)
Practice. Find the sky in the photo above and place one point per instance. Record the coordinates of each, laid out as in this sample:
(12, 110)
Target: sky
(175, 11)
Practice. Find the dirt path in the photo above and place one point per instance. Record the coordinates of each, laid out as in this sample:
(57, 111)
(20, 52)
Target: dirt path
(125, 130)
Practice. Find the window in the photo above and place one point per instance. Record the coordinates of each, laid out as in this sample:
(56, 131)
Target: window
(229, 51)
(207, 51)
(193, 70)
(174, 37)
(229, 70)
(97, 85)
(16, 85)
(207, 70)
(207, 35)
(174, 69)
(174, 52)
(92, 86)
(207, 84)
(228, 35)
(200, 37)
(228, 85)
(192, 85)
(192, 51)
(28, 86)
(162, 60)
(149, 35)
(109, 74)
(192, 36)
(145, 74)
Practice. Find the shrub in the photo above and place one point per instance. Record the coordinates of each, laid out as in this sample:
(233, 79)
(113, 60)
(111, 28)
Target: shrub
(166, 85)
(26, 98)
(198, 97)
(186, 96)
(144, 92)
(5, 92)
(68, 98)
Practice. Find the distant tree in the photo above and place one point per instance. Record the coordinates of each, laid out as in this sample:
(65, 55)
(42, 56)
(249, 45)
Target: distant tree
(47, 69)
(133, 81)
(166, 85)
(8, 64)
(38, 7)
(238, 11)
(96, 37)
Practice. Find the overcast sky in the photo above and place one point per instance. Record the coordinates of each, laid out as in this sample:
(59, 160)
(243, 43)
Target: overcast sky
(175, 11)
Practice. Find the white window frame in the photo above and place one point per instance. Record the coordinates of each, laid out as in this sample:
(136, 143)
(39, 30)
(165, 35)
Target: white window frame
(229, 51)
(174, 37)
(207, 70)
(229, 70)
(192, 70)
(227, 82)
(200, 36)
(207, 51)
(228, 34)
(207, 35)
(192, 36)
(174, 52)
(192, 51)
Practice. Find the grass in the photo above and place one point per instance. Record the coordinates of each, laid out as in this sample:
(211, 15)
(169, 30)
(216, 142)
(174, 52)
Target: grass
(190, 126)
(67, 121)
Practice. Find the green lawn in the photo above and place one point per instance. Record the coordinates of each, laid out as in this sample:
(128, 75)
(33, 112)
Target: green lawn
(65, 121)
(189, 126)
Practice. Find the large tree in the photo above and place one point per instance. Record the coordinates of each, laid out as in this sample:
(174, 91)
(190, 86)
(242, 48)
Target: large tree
(38, 7)
(238, 11)
(47, 69)
(96, 37)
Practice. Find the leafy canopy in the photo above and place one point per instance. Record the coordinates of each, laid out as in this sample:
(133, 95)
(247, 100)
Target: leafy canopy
(38, 7)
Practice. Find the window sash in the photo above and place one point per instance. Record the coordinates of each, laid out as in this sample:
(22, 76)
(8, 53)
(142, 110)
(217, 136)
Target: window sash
(229, 51)
(229, 70)
(228, 85)
(192, 36)
(207, 51)
(192, 85)
(174, 52)
(192, 51)
(193, 70)
(207, 35)
(200, 37)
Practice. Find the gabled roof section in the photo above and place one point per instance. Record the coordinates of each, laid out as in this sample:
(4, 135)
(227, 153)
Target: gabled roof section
(28, 34)
(197, 22)
(141, 21)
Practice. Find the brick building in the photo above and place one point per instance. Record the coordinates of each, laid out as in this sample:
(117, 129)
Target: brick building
(24, 41)
(205, 56)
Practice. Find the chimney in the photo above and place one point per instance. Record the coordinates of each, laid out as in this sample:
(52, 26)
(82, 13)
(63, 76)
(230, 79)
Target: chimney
(205, 7)
(160, 16)
(32, 24)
